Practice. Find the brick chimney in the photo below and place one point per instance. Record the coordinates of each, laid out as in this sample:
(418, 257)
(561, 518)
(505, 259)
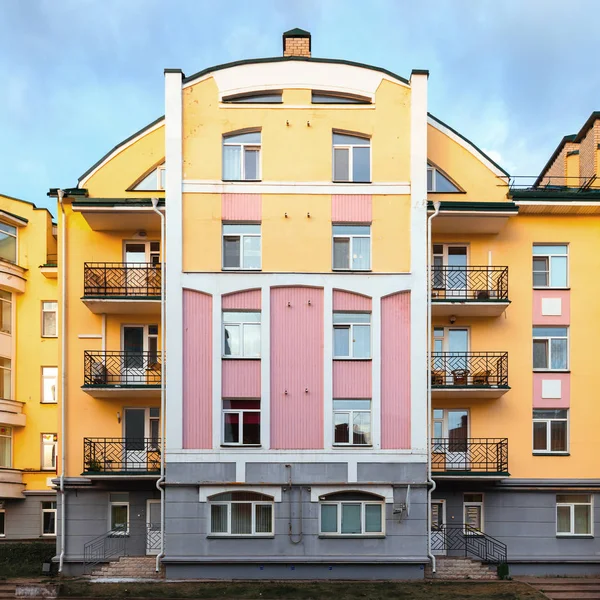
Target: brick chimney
(296, 42)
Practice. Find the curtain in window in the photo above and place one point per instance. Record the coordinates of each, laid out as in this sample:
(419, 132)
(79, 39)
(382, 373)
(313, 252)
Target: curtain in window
(539, 436)
(218, 518)
(241, 518)
(361, 253)
(5, 447)
(251, 156)
(563, 519)
(328, 518)
(263, 518)
(341, 422)
(559, 354)
(341, 253)
(582, 519)
(362, 428)
(351, 518)
(232, 428)
(540, 354)
(558, 436)
(232, 162)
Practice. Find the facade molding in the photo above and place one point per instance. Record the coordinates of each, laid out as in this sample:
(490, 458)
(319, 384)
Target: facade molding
(199, 186)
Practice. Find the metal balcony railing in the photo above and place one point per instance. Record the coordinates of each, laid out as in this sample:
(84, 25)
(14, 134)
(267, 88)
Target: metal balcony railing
(114, 368)
(121, 455)
(109, 545)
(121, 280)
(469, 369)
(452, 538)
(486, 456)
(482, 284)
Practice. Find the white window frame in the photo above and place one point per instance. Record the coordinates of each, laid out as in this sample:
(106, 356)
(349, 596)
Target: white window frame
(350, 148)
(480, 504)
(433, 170)
(351, 413)
(53, 444)
(350, 237)
(240, 412)
(16, 236)
(161, 177)
(549, 348)
(9, 369)
(10, 437)
(44, 311)
(241, 325)
(110, 523)
(363, 504)
(548, 422)
(549, 258)
(10, 308)
(242, 236)
(49, 378)
(254, 504)
(49, 511)
(350, 327)
(243, 146)
(3, 529)
(572, 506)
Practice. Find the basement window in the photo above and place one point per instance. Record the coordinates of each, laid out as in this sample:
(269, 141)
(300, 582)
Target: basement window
(324, 97)
(264, 97)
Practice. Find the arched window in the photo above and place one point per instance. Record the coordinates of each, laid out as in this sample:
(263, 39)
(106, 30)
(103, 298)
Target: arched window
(241, 156)
(351, 157)
(241, 514)
(352, 513)
(438, 181)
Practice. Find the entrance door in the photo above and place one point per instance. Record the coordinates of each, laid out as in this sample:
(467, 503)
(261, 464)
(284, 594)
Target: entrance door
(438, 522)
(457, 346)
(451, 431)
(153, 514)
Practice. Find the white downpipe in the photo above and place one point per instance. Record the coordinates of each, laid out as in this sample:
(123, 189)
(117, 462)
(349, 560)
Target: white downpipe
(63, 379)
(430, 480)
(163, 382)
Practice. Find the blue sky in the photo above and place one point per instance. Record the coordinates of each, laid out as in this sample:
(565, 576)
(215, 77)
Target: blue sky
(78, 76)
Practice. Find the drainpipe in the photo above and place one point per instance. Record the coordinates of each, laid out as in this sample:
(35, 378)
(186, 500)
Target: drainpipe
(163, 382)
(63, 379)
(430, 480)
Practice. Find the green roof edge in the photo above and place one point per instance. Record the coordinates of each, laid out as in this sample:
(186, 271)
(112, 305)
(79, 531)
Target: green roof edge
(475, 206)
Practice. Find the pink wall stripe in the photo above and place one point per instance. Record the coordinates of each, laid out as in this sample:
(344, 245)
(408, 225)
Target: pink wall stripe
(352, 379)
(241, 207)
(349, 301)
(557, 298)
(395, 371)
(351, 208)
(240, 378)
(246, 300)
(197, 370)
(565, 390)
(296, 366)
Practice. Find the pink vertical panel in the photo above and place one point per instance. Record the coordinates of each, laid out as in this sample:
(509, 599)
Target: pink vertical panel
(343, 301)
(296, 368)
(241, 207)
(352, 379)
(395, 371)
(246, 300)
(565, 303)
(240, 378)
(351, 208)
(197, 370)
(565, 390)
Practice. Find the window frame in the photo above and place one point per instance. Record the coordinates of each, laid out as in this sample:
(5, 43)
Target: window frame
(241, 237)
(548, 340)
(49, 511)
(572, 505)
(10, 437)
(117, 532)
(351, 413)
(3, 369)
(476, 503)
(53, 444)
(241, 324)
(363, 504)
(350, 148)
(4, 301)
(254, 504)
(350, 237)
(240, 412)
(14, 235)
(44, 378)
(433, 170)
(350, 326)
(548, 421)
(243, 146)
(3, 523)
(251, 97)
(43, 312)
(549, 257)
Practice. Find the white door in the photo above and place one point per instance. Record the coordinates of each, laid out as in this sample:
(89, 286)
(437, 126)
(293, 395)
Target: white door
(438, 522)
(451, 447)
(450, 270)
(142, 440)
(473, 511)
(450, 361)
(141, 259)
(133, 343)
(153, 526)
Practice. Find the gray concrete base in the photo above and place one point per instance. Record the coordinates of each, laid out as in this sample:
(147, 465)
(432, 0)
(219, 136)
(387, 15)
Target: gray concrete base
(557, 569)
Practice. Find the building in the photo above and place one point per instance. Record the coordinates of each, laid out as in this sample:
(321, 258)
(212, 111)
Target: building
(28, 360)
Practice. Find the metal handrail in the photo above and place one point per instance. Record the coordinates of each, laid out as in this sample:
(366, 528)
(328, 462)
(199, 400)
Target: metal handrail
(129, 280)
(121, 455)
(469, 369)
(108, 545)
(470, 455)
(118, 368)
(455, 537)
(484, 284)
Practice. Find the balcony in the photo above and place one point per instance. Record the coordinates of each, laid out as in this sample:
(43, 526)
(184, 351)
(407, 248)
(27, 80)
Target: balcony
(469, 291)
(469, 374)
(114, 373)
(453, 458)
(114, 288)
(121, 456)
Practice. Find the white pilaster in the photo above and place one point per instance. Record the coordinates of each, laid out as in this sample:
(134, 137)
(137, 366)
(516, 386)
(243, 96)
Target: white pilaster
(216, 370)
(265, 367)
(328, 366)
(376, 371)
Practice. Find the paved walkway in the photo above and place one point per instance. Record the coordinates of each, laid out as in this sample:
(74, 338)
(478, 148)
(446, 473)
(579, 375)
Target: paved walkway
(565, 588)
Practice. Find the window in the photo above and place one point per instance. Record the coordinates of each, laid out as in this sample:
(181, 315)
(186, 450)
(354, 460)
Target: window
(49, 452)
(49, 380)
(438, 182)
(320, 97)
(153, 181)
(352, 422)
(119, 513)
(351, 514)
(241, 422)
(550, 430)
(153, 347)
(49, 325)
(5, 446)
(574, 514)
(241, 334)
(154, 422)
(473, 511)
(241, 157)
(241, 247)
(351, 335)
(351, 158)
(352, 247)
(264, 97)
(5, 378)
(49, 518)
(8, 243)
(550, 348)
(550, 265)
(5, 312)
(241, 514)
(2, 523)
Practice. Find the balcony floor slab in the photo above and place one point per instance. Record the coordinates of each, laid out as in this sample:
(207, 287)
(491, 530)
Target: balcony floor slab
(117, 392)
(140, 305)
(469, 393)
(468, 308)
